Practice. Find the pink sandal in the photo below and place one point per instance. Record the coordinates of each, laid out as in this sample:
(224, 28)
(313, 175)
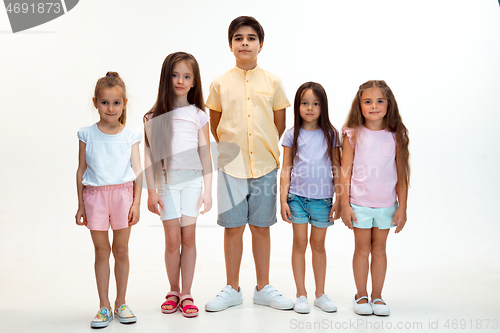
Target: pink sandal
(188, 307)
(173, 304)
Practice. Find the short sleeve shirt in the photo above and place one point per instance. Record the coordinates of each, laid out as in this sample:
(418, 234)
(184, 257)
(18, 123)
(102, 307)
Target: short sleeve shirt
(248, 138)
(311, 175)
(108, 156)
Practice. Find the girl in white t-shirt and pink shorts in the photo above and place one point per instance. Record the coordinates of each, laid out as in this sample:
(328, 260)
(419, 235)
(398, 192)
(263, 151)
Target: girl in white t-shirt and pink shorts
(109, 192)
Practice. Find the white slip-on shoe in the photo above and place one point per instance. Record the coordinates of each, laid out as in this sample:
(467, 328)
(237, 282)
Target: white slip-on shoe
(302, 305)
(380, 309)
(325, 303)
(269, 296)
(363, 308)
(125, 315)
(226, 298)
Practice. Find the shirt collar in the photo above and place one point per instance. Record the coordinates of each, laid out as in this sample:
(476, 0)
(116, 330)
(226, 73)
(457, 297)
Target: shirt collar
(242, 72)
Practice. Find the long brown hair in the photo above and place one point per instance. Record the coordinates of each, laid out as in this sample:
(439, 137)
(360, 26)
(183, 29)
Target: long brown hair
(329, 132)
(158, 133)
(110, 80)
(393, 123)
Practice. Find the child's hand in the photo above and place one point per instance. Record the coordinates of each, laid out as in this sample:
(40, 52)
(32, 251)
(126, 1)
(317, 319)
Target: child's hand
(400, 219)
(81, 217)
(134, 214)
(285, 212)
(206, 201)
(335, 208)
(153, 202)
(348, 216)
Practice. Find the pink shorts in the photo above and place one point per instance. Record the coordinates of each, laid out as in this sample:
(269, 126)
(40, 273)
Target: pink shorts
(108, 206)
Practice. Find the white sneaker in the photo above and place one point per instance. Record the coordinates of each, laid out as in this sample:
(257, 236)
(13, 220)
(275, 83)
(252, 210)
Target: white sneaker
(380, 309)
(125, 315)
(102, 319)
(362, 309)
(226, 298)
(325, 303)
(302, 305)
(269, 296)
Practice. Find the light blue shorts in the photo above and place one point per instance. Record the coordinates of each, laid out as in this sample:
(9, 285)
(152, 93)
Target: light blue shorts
(306, 210)
(369, 217)
(181, 193)
(246, 200)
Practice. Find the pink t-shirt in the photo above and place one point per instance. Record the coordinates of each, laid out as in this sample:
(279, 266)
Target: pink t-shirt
(374, 174)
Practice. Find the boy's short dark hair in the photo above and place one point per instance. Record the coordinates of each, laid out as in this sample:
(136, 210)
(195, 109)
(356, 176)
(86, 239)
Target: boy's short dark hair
(245, 21)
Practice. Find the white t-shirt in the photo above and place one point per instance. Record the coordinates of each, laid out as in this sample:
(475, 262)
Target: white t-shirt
(186, 122)
(108, 156)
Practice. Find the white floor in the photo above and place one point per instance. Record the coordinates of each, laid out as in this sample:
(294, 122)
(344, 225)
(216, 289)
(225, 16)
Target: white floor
(47, 282)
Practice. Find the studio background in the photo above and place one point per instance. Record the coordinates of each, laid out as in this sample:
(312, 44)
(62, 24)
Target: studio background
(439, 57)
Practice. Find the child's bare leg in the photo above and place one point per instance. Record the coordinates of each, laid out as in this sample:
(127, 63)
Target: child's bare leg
(233, 250)
(379, 261)
(261, 248)
(299, 257)
(120, 253)
(188, 256)
(102, 251)
(360, 264)
(317, 242)
(172, 230)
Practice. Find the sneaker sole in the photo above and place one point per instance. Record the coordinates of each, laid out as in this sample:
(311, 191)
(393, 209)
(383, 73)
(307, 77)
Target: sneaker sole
(326, 310)
(126, 320)
(100, 324)
(302, 311)
(264, 303)
(222, 308)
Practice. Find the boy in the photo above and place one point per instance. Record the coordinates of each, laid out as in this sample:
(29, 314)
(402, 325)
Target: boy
(247, 110)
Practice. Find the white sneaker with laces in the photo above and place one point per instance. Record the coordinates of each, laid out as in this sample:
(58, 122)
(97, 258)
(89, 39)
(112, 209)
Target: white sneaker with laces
(325, 303)
(269, 296)
(226, 298)
(302, 305)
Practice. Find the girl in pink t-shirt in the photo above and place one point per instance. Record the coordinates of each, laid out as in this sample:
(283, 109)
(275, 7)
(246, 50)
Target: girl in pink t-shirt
(177, 165)
(375, 176)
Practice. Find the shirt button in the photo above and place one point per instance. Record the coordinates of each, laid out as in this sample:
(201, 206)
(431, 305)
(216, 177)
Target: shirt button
(251, 152)
(248, 81)
(250, 134)
(248, 98)
(248, 116)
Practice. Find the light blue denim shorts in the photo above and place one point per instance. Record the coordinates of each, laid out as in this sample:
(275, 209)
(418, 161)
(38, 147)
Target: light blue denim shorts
(306, 210)
(246, 200)
(369, 217)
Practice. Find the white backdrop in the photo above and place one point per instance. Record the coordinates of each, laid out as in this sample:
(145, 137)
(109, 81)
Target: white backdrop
(440, 57)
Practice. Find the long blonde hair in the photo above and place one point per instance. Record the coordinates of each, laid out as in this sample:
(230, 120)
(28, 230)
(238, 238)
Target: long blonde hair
(393, 123)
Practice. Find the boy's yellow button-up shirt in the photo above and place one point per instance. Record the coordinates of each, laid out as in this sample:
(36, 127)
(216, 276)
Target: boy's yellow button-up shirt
(247, 100)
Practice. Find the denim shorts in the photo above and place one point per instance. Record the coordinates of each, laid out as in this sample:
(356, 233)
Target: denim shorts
(369, 217)
(306, 210)
(246, 200)
(181, 193)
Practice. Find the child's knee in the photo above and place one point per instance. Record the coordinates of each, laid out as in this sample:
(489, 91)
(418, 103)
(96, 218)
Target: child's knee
(102, 252)
(378, 250)
(300, 244)
(317, 246)
(120, 252)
